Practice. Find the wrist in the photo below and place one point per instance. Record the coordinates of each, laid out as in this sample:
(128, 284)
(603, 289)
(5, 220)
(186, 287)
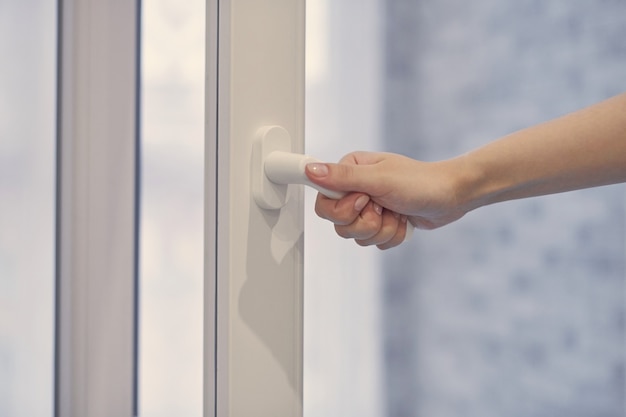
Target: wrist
(473, 186)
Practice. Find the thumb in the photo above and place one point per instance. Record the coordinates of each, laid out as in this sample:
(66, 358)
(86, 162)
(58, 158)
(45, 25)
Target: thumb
(339, 177)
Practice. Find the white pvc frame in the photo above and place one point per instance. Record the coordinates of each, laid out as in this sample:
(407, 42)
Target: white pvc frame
(254, 257)
(97, 208)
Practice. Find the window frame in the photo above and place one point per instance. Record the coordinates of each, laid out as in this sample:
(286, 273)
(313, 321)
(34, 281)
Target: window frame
(97, 208)
(254, 257)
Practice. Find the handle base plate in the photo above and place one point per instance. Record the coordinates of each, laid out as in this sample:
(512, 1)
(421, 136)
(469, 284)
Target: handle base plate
(267, 194)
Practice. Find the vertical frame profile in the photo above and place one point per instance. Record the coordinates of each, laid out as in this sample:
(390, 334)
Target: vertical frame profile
(254, 257)
(97, 208)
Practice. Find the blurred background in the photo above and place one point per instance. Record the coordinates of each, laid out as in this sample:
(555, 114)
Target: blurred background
(515, 310)
(518, 308)
(27, 205)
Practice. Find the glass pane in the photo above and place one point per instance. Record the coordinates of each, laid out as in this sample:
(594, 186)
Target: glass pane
(343, 357)
(518, 308)
(171, 226)
(27, 206)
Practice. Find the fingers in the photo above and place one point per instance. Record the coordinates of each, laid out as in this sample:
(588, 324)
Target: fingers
(366, 225)
(390, 234)
(352, 173)
(341, 212)
(399, 237)
(357, 217)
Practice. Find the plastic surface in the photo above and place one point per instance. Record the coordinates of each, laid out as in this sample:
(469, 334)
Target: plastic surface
(274, 167)
(267, 194)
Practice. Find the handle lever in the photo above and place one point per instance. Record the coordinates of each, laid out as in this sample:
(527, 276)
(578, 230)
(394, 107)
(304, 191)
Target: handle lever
(274, 167)
(289, 168)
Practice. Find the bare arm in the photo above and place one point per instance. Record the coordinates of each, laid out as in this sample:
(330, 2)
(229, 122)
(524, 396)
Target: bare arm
(580, 150)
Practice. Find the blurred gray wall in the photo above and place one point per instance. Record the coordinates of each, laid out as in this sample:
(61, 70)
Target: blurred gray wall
(517, 309)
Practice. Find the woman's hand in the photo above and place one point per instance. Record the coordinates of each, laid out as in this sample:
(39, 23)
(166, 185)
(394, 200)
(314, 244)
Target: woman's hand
(384, 191)
(583, 149)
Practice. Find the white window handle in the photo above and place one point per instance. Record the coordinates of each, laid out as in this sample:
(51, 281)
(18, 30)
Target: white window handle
(289, 168)
(274, 167)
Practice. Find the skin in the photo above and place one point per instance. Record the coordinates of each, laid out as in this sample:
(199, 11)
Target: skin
(583, 149)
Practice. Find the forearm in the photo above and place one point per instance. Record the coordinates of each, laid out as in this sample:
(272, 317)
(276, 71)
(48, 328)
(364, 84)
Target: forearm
(580, 150)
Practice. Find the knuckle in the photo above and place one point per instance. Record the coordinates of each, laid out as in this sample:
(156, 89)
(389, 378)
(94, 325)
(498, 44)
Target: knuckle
(362, 243)
(343, 218)
(329, 210)
(372, 223)
(320, 211)
(343, 232)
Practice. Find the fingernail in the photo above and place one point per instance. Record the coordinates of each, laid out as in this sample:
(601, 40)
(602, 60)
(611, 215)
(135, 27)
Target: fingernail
(361, 202)
(318, 170)
(395, 215)
(378, 209)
